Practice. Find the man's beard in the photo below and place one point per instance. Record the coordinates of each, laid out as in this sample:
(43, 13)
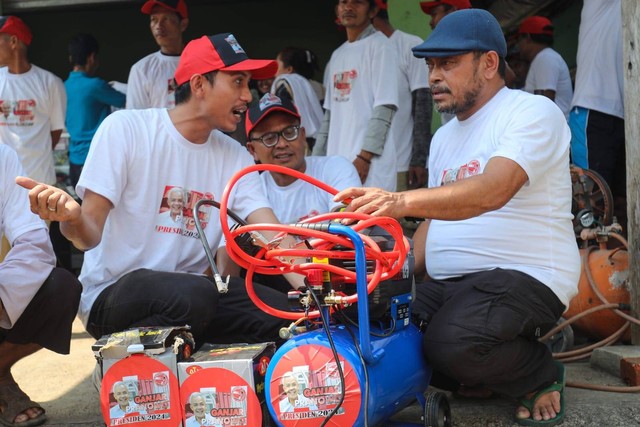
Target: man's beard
(469, 99)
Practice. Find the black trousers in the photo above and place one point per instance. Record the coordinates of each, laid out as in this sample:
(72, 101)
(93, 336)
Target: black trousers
(606, 145)
(155, 298)
(48, 318)
(483, 330)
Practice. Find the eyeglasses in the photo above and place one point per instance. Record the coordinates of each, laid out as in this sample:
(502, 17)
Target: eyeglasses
(270, 139)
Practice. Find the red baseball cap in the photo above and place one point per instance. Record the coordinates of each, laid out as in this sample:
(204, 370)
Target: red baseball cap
(382, 4)
(536, 25)
(177, 6)
(427, 6)
(268, 104)
(220, 52)
(14, 26)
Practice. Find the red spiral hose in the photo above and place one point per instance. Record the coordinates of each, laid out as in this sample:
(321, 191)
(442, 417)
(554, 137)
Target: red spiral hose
(275, 261)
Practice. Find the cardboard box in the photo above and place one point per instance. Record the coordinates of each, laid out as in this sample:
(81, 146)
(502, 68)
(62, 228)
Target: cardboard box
(142, 389)
(230, 378)
(167, 344)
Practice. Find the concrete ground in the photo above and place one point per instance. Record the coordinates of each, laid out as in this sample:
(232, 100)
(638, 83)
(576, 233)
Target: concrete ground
(62, 384)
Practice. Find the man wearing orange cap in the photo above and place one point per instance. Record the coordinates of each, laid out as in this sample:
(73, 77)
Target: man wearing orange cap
(138, 270)
(548, 73)
(441, 8)
(150, 83)
(32, 100)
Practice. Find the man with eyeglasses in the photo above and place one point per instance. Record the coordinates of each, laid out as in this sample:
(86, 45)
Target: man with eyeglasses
(275, 137)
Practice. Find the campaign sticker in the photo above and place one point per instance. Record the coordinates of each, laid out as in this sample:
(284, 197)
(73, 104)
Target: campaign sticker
(219, 397)
(140, 391)
(305, 388)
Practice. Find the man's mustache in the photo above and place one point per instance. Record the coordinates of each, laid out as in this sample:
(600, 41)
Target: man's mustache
(439, 89)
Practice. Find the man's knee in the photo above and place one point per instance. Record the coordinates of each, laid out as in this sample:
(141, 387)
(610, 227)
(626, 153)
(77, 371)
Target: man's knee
(63, 289)
(465, 361)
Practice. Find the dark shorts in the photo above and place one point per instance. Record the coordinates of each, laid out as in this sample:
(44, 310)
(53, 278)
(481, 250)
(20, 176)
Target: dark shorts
(48, 318)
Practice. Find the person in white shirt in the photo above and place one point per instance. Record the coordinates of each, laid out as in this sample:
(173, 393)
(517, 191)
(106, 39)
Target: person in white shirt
(362, 97)
(275, 136)
(411, 125)
(33, 102)
(548, 73)
(38, 301)
(293, 81)
(150, 83)
(597, 109)
(498, 176)
(136, 272)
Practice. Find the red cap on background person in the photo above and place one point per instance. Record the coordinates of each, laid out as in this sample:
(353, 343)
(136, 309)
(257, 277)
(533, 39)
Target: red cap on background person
(177, 6)
(268, 104)
(536, 25)
(14, 26)
(428, 6)
(220, 52)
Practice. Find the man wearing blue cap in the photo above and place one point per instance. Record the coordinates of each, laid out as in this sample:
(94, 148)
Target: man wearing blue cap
(500, 249)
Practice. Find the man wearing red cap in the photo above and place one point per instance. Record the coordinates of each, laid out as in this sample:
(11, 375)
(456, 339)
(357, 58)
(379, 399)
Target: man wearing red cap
(441, 8)
(137, 270)
(150, 83)
(33, 102)
(548, 73)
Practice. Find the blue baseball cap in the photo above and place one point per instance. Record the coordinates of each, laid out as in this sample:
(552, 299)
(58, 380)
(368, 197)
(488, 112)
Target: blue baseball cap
(463, 31)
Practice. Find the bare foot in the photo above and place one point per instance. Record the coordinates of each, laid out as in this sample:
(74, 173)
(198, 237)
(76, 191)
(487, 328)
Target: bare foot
(11, 398)
(546, 407)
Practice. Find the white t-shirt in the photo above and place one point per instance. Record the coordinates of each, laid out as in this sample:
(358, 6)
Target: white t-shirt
(150, 83)
(362, 75)
(31, 258)
(548, 71)
(33, 104)
(135, 159)
(305, 100)
(533, 232)
(300, 199)
(413, 75)
(599, 82)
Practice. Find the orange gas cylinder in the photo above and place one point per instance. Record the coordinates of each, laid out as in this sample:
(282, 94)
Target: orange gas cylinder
(610, 272)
